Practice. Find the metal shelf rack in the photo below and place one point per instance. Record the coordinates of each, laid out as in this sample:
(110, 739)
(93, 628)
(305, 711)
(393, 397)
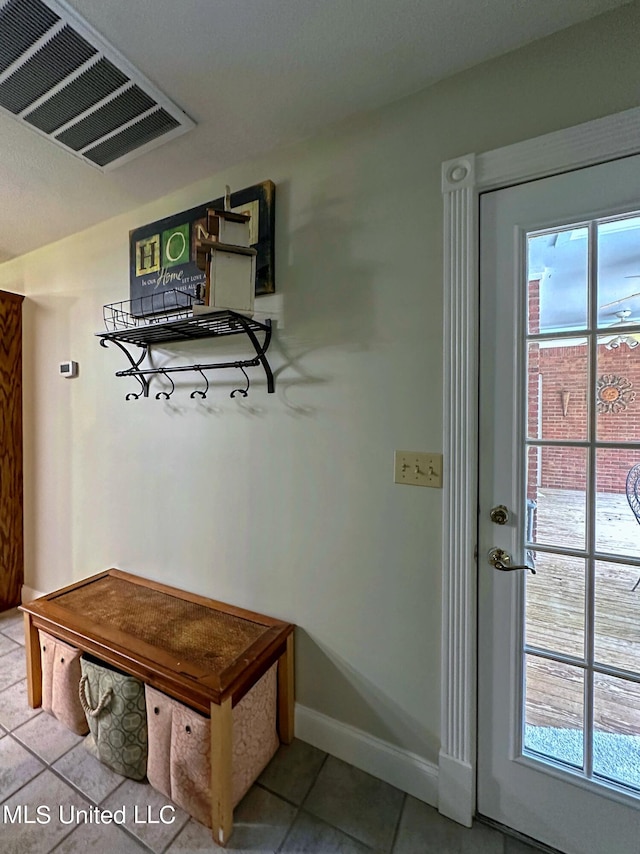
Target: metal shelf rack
(130, 330)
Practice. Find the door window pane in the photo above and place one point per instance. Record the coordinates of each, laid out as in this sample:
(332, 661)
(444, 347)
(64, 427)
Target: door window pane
(618, 270)
(616, 736)
(617, 389)
(557, 265)
(556, 485)
(557, 389)
(554, 616)
(617, 529)
(617, 615)
(554, 701)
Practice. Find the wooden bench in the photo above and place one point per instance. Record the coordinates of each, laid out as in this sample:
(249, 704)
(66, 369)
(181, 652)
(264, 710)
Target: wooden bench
(203, 653)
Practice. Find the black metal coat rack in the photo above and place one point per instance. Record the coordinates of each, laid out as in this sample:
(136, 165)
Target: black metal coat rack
(214, 325)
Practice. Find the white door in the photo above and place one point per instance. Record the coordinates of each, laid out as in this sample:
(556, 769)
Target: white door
(559, 650)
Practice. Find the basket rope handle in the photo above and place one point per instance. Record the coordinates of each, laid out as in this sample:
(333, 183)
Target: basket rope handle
(86, 703)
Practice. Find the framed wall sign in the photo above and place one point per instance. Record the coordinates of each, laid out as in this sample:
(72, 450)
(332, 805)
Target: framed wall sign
(162, 256)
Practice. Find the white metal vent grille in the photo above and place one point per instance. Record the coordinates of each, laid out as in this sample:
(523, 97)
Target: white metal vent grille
(64, 81)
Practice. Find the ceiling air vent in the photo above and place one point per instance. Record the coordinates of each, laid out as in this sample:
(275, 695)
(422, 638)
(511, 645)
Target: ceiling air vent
(64, 81)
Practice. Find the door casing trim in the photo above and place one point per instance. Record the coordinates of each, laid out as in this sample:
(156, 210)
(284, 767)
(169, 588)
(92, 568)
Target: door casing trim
(463, 179)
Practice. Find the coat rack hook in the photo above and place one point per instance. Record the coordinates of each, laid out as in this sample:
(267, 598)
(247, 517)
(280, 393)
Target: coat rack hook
(165, 395)
(144, 388)
(243, 391)
(197, 392)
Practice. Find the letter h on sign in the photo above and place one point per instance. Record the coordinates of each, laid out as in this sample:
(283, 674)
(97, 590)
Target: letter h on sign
(148, 255)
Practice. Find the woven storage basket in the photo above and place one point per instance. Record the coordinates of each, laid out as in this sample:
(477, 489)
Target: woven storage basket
(60, 679)
(116, 713)
(179, 762)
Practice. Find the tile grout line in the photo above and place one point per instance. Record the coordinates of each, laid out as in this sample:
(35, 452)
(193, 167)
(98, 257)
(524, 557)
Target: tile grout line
(299, 806)
(301, 809)
(23, 786)
(12, 685)
(288, 833)
(349, 836)
(31, 750)
(178, 832)
(314, 781)
(276, 794)
(48, 766)
(398, 822)
(124, 827)
(346, 833)
(11, 652)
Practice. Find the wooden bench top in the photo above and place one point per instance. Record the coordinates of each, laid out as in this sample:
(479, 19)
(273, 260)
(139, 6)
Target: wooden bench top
(194, 648)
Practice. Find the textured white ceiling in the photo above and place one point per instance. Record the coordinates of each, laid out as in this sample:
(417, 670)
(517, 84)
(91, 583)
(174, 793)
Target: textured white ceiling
(254, 74)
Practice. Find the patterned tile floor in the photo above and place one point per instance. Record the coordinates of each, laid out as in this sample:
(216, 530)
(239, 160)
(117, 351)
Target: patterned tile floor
(305, 802)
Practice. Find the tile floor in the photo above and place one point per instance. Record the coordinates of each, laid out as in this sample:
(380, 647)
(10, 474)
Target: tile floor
(305, 802)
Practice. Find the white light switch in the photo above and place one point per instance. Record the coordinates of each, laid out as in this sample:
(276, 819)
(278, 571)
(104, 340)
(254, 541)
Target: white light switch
(418, 469)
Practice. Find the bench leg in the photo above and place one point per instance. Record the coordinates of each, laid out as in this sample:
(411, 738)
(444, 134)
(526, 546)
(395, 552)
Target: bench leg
(286, 694)
(34, 663)
(221, 771)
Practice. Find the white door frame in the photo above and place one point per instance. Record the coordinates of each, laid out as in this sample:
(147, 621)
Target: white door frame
(463, 179)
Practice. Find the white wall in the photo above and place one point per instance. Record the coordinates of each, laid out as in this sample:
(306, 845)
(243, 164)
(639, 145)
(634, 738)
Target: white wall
(285, 503)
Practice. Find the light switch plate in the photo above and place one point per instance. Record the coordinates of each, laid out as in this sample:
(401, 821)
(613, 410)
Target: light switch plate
(416, 468)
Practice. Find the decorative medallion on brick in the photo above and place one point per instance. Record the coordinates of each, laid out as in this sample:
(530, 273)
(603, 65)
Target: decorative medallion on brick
(614, 393)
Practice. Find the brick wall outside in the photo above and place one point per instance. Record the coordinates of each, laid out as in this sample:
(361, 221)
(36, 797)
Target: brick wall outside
(533, 385)
(561, 373)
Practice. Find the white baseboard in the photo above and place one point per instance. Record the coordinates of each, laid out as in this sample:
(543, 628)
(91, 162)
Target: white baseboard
(457, 791)
(28, 593)
(401, 768)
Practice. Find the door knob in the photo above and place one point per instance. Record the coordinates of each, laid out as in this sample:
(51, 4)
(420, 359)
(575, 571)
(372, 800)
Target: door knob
(502, 560)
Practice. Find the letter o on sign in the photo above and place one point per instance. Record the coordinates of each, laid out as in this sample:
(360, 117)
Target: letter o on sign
(182, 243)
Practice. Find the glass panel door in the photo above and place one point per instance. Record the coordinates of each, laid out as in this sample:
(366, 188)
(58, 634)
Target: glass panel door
(581, 638)
(559, 458)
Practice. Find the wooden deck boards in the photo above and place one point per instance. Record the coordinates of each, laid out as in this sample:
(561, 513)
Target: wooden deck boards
(556, 615)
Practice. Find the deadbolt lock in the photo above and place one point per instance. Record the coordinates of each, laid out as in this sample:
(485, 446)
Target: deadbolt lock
(499, 515)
